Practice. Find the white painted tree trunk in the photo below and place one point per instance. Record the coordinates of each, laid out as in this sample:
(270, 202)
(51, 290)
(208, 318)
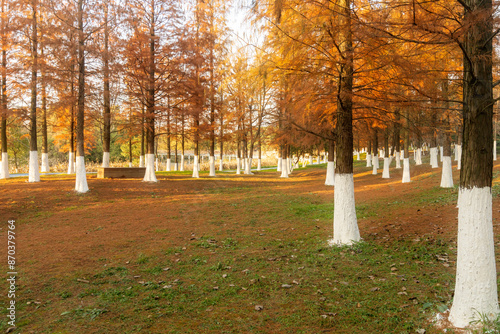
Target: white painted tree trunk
(446, 173)
(418, 160)
(169, 165)
(457, 149)
(150, 175)
(221, 165)
(289, 165)
(368, 160)
(398, 160)
(310, 160)
(280, 163)
(196, 173)
(357, 156)
(81, 185)
(284, 169)
(385, 173)
(141, 161)
(105, 159)
(45, 163)
(476, 280)
(459, 156)
(375, 165)
(212, 166)
(406, 170)
(238, 165)
(156, 165)
(259, 164)
(34, 172)
(71, 163)
(434, 157)
(330, 174)
(441, 153)
(4, 168)
(495, 150)
(318, 160)
(130, 164)
(345, 223)
(182, 163)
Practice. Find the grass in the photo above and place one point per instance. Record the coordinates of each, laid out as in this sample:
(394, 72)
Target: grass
(302, 285)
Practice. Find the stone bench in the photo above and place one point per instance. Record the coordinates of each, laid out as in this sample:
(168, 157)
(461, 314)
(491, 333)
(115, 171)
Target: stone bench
(121, 172)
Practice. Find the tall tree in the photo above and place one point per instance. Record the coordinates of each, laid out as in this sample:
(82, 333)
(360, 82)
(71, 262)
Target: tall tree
(345, 225)
(476, 280)
(106, 91)
(34, 172)
(4, 168)
(81, 185)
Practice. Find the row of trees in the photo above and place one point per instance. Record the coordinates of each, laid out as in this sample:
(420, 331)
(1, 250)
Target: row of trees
(418, 69)
(330, 74)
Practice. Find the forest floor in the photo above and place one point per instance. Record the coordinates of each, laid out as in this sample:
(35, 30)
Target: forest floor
(231, 254)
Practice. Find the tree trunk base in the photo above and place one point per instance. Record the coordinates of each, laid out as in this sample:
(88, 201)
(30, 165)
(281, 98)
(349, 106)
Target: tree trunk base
(330, 174)
(476, 281)
(385, 173)
(45, 163)
(406, 170)
(34, 172)
(150, 175)
(4, 168)
(446, 174)
(345, 223)
(105, 159)
(71, 163)
(196, 168)
(81, 185)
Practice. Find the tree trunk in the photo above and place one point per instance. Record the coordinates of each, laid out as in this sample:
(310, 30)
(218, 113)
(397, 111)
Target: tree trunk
(143, 136)
(81, 177)
(369, 154)
(150, 175)
(406, 147)
(34, 173)
(345, 225)
(476, 280)
(212, 111)
(106, 92)
(4, 169)
(169, 151)
(221, 141)
(446, 173)
(375, 159)
(71, 158)
(182, 143)
(330, 168)
(387, 160)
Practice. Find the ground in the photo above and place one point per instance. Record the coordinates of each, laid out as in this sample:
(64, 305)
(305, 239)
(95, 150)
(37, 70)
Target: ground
(231, 254)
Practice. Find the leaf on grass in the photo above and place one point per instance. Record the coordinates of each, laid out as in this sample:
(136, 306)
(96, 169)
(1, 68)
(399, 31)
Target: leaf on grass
(426, 305)
(442, 308)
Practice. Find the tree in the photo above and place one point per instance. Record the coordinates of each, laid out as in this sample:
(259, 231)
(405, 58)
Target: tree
(345, 226)
(4, 168)
(34, 172)
(476, 282)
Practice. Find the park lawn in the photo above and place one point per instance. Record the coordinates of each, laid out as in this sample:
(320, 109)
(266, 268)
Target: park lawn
(231, 254)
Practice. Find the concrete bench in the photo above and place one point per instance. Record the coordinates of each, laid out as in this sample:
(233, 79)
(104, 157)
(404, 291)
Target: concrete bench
(121, 172)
